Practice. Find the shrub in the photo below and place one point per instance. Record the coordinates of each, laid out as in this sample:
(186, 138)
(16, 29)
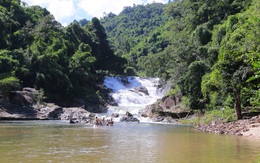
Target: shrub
(8, 84)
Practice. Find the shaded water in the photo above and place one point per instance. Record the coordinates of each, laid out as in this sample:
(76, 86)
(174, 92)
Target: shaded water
(56, 141)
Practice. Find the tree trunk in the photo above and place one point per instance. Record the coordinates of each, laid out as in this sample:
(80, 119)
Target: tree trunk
(238, 104)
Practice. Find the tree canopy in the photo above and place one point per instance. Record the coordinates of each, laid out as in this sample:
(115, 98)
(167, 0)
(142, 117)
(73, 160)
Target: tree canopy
(209, 50)
(37, 51)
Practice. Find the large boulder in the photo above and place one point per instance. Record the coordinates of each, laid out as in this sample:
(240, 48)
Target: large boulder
(128, 117)
(77, 115)
(167, 109)
(170, 101)
(141, 89)
(55, 114)
(26, 97)
(115, 115)
(96, 108)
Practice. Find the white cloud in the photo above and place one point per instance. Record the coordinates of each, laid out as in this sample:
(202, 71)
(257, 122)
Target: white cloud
(65, 11)
(62, 8)
(98, 7)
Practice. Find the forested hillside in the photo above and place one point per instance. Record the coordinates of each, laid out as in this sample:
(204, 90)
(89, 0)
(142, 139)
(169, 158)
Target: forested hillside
(135, 33)
(209, 50)
(37, 51)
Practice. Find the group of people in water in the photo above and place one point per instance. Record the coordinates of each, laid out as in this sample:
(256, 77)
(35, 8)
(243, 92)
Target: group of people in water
(103, 122)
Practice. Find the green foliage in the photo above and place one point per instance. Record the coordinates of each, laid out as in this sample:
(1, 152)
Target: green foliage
(186, 101)
(213, 89)
(40, 97)
(238, 47)
(7, 63)
(227, 115)
(130, 71)
(201, 35)
(41, 53)
(229, 102)
(173, 91)
(254, 99)
(207, 49)
(134, 33)
(218, 114)
(102, 51)
(190, 84)
(8, 83)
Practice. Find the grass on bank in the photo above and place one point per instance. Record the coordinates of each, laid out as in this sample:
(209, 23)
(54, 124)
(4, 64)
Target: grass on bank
(227, 115)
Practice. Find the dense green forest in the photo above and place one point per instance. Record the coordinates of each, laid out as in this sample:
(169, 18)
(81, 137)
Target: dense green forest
(208, 49)
(37, 51)
(135, 33)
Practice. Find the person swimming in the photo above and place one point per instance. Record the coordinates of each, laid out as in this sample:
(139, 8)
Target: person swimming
(103, 122)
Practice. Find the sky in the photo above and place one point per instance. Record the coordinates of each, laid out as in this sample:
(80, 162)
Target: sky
(65, 11)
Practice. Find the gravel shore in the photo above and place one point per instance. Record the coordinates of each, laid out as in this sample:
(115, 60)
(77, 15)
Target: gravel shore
(245, 127)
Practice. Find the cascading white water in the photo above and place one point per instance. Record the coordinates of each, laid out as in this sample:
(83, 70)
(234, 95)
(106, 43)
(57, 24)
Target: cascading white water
(132, 93)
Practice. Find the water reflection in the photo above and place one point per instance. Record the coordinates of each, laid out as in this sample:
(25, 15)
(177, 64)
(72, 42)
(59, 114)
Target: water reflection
(52, 141)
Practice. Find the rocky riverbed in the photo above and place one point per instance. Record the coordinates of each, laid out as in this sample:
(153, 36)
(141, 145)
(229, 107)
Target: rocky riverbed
(246, 127)
(48, 111)
(23, 107)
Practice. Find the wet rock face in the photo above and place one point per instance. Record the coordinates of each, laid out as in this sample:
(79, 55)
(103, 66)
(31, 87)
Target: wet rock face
(115, 115)
(95, 108)
(128, 117)
(170, 101)
(77, 115)
(167, 109)
(26, 97)
(141, 89)
(55, 114)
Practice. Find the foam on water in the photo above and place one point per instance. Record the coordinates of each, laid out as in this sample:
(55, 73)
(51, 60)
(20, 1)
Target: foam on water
(126, 93)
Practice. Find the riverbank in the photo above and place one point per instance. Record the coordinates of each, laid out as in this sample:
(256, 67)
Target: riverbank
(47, 111)
(246, 127)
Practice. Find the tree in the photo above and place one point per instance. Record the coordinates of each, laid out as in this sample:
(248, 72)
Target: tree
(80, 69)
(106, 59)
(7, 63)
(238, 48)
(190, 84)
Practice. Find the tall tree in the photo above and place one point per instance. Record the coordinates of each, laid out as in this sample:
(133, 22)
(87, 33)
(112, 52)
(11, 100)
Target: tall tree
(238, 48)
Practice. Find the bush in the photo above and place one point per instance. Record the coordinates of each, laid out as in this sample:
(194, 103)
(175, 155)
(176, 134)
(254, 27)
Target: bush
(8, 84)
(130, 71)
(227, 115)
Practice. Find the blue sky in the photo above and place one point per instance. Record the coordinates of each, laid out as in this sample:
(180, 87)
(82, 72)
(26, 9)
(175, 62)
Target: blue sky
(65, 11)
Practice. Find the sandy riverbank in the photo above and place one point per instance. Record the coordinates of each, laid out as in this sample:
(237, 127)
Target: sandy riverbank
(253, 130)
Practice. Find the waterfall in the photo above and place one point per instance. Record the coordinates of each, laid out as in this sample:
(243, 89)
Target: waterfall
(132, 94)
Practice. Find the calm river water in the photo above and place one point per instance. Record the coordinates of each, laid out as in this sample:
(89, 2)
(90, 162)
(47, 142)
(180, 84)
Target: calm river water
(56, 141)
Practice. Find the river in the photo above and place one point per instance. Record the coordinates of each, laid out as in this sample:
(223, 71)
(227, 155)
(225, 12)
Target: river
(57, 141)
